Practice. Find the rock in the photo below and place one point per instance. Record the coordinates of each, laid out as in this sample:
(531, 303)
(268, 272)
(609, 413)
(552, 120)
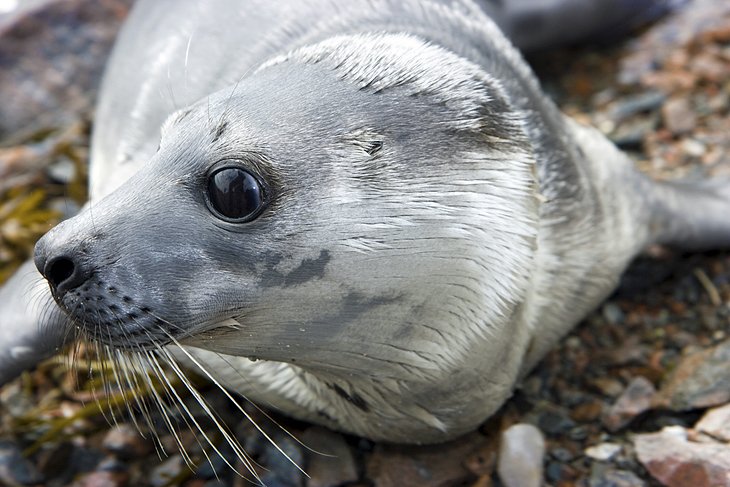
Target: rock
(588, 411)
(700, 380)
(651, 50)
(14, 468)
(608, 386)
(484, 460)
(126, 442)
(330, 460)
(602, 476)
(62, 171)
(55, 461)
(216, 464)
(167, 471)
(603, 451)
(636, 399)
(677, 462)
(678, 115)
(716, 423)
(283, 471)
(521, 455)
(693, 148)
(424, 466)
(612, 313)
(644, 102)
(102, 479)
(553, 420)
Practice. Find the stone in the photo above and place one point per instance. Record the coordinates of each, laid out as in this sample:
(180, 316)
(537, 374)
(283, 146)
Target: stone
(716, 423)
(675, 461)
(636, 399)
(678, 116)
(102, 479)
(603, 451)
(14, 468)
(167, 471)
(700, 380)
(424, 466)
(611, 477)
(330, 459)
(125, 441)
(521, 456)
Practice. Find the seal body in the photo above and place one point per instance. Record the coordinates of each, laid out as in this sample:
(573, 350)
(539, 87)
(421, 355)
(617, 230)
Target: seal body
(423, 223)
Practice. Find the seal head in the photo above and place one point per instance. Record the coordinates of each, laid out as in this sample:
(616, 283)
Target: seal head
(307, 221)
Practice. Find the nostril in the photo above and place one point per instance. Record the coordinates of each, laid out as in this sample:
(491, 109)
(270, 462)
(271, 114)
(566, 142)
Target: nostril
(60, 272)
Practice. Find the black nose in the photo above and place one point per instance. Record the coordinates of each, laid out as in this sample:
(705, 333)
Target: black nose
(62, 269)
(63, 274)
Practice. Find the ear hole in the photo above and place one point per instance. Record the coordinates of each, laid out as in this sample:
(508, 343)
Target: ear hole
(373, 147)
(367, 140)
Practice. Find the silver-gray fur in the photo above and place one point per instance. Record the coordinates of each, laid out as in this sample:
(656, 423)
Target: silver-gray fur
(435, 223)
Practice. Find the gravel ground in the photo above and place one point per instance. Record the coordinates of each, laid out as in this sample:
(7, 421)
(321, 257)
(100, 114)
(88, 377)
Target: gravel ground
(634, 396)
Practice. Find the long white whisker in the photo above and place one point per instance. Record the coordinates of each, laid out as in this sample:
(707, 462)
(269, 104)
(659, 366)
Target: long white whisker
(235, 403)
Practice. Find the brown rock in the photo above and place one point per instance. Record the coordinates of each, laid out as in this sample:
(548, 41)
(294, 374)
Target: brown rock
(483, 461)
(636, 399)
(608, 386)
(329, 458)
(716, 423)
(677, 462)
(587, 412)
(710, 67)
(700, 380)
(426, 466)
(678, 115)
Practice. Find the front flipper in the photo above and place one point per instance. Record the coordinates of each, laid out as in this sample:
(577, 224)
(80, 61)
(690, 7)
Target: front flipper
(32, 327)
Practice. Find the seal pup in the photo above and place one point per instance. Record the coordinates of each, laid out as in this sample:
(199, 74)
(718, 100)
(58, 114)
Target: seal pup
(366, 214)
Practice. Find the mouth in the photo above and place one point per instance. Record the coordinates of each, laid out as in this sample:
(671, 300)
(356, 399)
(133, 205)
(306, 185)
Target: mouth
(106, 315)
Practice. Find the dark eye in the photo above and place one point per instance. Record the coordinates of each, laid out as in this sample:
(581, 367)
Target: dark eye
(235, 194)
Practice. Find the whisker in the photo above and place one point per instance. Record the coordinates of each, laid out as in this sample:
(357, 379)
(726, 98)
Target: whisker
(234, 402)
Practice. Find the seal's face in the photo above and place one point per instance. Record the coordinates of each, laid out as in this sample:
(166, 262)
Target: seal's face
(341, 221)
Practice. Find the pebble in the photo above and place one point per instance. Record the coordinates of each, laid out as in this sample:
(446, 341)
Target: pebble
(678, 116)
(675, 461)
(125, 442)
(62, 171)
(612, 313)
(163, 474)
(283, 471)
(329, 458)
(603, 451)
(608, 386)
(102, 479)
(716, 423)
(636, 399)
(216, 464)
(601, 476)
(553, 420)
(700, 380)
(693, 148)
(55, 461)
(521, 453)
(641, 103)
(14, 468)
(424, 466)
